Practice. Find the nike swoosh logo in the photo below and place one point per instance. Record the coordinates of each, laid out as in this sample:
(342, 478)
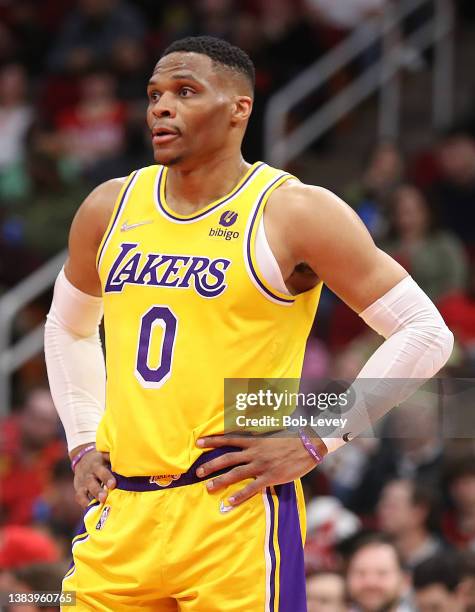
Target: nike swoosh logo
(223, 508)
(126, 226)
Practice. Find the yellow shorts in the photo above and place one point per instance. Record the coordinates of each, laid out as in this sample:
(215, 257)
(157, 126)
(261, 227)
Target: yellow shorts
(178, 547)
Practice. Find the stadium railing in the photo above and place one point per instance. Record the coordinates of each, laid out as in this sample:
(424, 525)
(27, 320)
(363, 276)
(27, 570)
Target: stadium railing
(382, 76)
(282, 146)
(14, 355)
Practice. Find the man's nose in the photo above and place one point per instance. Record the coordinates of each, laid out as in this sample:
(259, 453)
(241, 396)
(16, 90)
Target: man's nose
(164, 107)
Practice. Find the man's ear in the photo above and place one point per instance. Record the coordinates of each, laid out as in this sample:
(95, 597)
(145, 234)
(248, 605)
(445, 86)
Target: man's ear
(241, 109)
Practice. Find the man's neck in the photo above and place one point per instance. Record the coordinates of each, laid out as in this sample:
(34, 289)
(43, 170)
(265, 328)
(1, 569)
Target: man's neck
(413, 544)
(188, 190)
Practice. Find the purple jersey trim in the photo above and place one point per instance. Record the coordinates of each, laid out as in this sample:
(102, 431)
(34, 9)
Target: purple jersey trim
(142, 483)
(116, 216)
(248, 246)
(207, 211)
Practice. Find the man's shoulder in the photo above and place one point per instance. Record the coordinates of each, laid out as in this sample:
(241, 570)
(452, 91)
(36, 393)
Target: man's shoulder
(295, 187)
(296, 198)
(109, 188)
(97, 208)
(310, 218)
(92, 217)
(102, 198)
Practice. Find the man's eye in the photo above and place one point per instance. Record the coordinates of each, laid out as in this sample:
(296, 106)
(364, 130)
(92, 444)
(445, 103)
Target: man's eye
(154, 96)
(186, 92)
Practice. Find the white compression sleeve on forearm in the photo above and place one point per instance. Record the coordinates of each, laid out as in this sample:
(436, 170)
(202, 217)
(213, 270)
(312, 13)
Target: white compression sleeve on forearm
(74, 361)
(418, 343)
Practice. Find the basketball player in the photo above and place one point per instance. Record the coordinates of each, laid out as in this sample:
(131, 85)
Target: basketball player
(207, 268)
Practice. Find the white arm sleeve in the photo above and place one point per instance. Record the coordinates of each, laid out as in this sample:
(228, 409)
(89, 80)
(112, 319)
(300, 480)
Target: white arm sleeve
(418, 343)
(74, 361)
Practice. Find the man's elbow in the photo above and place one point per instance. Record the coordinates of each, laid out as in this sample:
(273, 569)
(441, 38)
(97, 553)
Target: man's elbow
(446, 343)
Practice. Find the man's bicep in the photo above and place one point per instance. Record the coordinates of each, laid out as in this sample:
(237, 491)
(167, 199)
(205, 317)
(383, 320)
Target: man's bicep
(87, 230)
(342, 253)
(362, 283)
(80, 268)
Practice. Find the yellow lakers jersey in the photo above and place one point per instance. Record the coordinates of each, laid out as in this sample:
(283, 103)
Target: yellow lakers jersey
(185, 307)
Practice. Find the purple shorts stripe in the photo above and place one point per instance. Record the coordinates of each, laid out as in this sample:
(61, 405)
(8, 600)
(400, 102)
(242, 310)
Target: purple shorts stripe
(80, 538)
(292, 595)
(81, 530)
(81, 527)
(70, 571)
(271, 550)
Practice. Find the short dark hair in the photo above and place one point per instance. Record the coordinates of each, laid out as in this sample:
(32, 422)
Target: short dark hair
(219, 51)
(444, 569)
(370, 539)
(459, 467)
(42, 576)
(423, 495)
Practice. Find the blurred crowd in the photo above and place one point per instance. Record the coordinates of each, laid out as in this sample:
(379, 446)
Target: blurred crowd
(391, 521)
(72, 94)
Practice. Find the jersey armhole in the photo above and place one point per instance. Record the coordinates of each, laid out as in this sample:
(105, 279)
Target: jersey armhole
(255, 274)
(116, 212)
(266, 262)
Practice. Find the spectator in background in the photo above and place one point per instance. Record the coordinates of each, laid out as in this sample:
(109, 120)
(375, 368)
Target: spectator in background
(91, 34)
(29, 447)
(383, 173)
(8, 45)
(35, 226)
(57, 509)
(467, 586)
(43, 577)
(459, 522)
(406, 513)
(375, 578)
(458, 311)
(132, 70)
(247, 34)
(54, 190)
(53, 196)
(28, 28)
(284, 26)
(437, 584)
(402, 455)
(16, 116)
(328, 524)
(326, 592)
(21, 546)
(215, 17)
(94, 129)
(37, 577)
(456, 191)
(434, 257)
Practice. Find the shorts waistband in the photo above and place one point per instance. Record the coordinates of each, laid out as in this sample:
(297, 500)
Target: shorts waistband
(154, 483)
